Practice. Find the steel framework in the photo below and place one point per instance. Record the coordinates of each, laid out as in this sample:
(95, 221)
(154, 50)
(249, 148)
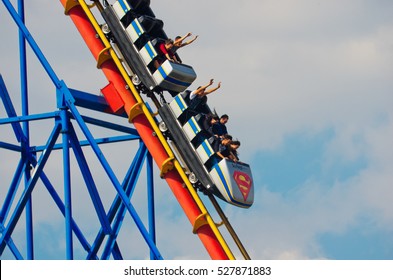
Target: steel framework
(63, 136)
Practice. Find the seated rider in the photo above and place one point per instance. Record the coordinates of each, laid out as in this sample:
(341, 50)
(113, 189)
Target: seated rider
(219, 128)
(179, 41)
(228, 149)
(234, 154)
(208, 121)
(198, 97)
(165, 50)
(224, 149)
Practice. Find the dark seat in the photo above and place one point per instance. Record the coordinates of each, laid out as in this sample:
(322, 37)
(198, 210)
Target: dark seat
(139, 4)
(156, 41)
(186, 96)
(150, 24)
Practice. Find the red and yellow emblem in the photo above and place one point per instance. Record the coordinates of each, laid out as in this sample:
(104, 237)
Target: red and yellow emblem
(244, 182)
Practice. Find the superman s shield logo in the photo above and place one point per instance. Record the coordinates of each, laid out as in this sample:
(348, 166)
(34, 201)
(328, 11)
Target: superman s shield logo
(244, 182)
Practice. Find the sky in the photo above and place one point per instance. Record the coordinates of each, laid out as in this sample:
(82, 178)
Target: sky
(308, 89)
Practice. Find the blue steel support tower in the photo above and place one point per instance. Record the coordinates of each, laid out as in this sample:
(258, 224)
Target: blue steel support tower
(64, 137)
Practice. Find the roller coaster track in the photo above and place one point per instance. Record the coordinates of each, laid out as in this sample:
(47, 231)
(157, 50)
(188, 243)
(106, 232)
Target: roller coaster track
(140, 115)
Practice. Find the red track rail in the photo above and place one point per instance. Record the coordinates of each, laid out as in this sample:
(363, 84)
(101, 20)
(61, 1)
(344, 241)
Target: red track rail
(141, 123)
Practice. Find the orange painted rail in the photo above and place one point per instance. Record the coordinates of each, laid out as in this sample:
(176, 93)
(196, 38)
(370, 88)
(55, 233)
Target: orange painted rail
(121, 97)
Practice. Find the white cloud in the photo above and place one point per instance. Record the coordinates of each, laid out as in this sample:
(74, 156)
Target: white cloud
(288, 224)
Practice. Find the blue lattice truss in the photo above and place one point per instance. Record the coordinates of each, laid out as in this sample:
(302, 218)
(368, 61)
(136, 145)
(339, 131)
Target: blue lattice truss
(33, 159)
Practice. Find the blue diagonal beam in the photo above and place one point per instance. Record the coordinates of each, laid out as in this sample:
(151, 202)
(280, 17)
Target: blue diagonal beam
(32, 117)
(29, 188)
(34, 46)
(70, 104)
(112, 126)
(7, 206)
(106, 140)
(9, 108)
(139, 159)
(12, 191)
(11, 147)
(128, 187)
(56, 198)
(116, 251)
(12, 246)
(93, 102)
(95, 197)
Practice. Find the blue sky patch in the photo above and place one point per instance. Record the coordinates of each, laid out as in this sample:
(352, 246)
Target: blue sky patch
(361, 242)
(301, 158)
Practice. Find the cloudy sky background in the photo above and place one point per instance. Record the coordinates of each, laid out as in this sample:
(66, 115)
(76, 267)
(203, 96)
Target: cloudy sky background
(308, 88)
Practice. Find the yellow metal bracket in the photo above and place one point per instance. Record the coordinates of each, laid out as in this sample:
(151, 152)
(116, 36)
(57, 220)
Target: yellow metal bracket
(154, 114)
(92, 5)
(167, 166)
(69, 5)
(103, 56)
(136, 110)
(219, 224)
(139, 108)
(199, 222)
